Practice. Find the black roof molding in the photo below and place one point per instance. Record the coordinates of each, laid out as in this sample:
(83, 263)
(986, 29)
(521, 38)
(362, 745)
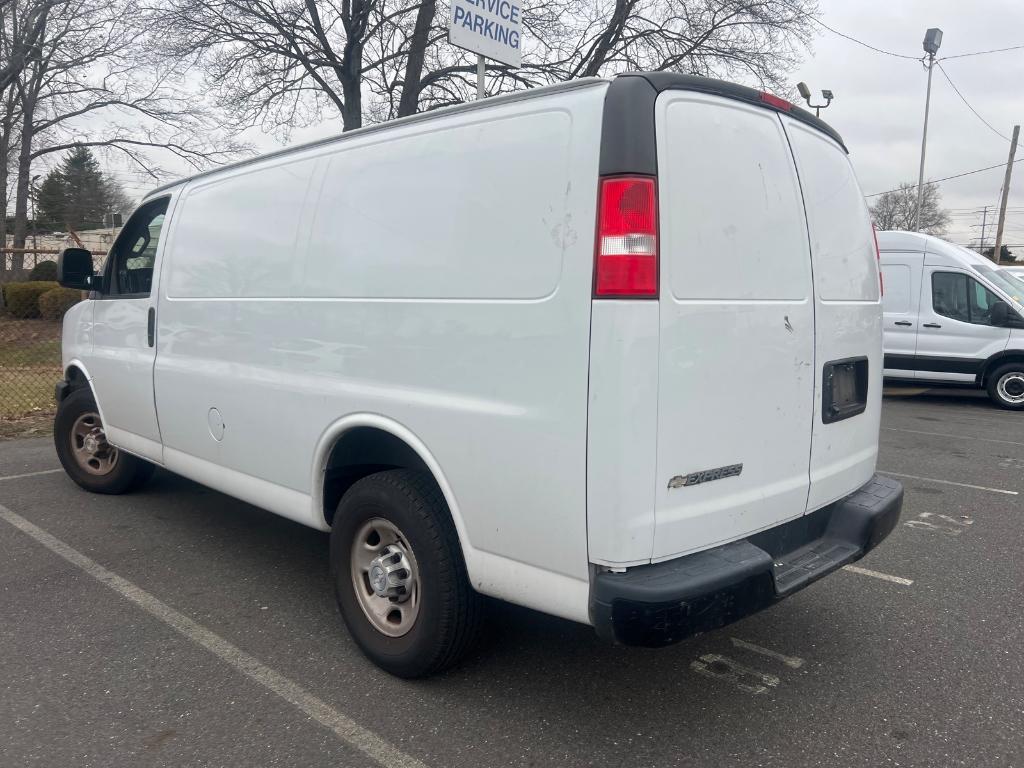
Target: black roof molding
(670, 81)
(627, 130)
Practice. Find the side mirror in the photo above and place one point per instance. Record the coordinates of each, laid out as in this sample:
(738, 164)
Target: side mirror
(74, 269)
(1000, 314)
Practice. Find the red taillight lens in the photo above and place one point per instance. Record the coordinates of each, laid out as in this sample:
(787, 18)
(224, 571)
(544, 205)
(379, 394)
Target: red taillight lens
(878, 260)
(772, 100)
(626, 265)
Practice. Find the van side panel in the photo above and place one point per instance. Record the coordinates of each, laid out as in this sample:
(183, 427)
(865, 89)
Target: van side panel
(426, 217)
(441, 279)
(848, 316)
(901, 274)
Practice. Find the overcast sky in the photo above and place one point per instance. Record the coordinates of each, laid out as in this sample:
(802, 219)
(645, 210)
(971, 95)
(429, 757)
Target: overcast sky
(879, 100)
(879, 104)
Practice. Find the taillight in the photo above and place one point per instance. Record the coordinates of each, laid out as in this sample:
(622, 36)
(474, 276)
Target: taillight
(878, 260)
(772, 100)
(626, 264)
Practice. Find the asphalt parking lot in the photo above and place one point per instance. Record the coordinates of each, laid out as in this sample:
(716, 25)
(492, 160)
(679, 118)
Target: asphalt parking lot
(177, 626)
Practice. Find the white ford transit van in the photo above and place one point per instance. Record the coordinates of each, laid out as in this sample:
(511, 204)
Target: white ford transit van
(610, 350)
(951, 317)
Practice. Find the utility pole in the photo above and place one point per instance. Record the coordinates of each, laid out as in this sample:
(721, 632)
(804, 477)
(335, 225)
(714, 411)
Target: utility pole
(984, 219)
(932, 41)
(1006, 192)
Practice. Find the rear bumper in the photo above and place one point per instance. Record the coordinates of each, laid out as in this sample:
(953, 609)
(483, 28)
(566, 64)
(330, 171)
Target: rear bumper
(654, 605)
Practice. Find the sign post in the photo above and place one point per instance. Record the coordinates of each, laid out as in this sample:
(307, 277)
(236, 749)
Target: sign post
(492, 29)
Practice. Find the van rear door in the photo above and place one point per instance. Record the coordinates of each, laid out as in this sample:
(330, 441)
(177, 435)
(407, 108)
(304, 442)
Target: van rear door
(737, 373)
(848, 320)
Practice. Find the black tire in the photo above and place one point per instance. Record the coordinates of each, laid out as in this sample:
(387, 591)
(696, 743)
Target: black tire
(449, 613)
(1013, 387)
(126, 471)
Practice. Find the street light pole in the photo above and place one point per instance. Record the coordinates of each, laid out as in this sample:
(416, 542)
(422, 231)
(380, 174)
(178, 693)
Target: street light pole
(932, 41)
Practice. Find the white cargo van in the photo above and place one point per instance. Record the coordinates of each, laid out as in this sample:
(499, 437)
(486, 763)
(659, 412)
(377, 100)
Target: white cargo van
(951, 317)
(610, 350)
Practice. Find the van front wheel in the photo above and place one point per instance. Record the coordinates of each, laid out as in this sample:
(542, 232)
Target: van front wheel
(84, 452)
(1006, 386)
(399, 577)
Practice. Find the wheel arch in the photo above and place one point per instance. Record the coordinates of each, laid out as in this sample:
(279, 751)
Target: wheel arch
(360, 444)
(77, 376)
(996, 360)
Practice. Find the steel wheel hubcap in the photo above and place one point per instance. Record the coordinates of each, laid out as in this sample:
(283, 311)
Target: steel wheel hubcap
(89, 445)
(1011, 387)
(385, 577)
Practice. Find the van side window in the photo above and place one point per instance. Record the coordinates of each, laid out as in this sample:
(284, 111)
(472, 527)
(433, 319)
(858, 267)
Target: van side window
(981, 299)
(134, 253)
(962, 298)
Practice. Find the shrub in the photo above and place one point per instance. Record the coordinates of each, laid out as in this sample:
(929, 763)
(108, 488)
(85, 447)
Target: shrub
(44, 270)
(56, 301)
(22, 299)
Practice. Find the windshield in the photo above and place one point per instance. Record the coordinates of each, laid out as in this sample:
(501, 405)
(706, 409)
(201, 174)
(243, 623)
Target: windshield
(1015, 272)
(1008, 285)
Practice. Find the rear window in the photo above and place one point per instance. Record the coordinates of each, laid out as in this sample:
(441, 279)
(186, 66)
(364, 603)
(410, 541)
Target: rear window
(838, 221)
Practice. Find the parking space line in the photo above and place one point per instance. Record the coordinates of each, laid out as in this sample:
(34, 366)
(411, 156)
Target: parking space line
(877, 575)
(950, 482)
(382, 752)
(951, 419)
(793, 662)
(952, 437)
(30, 474)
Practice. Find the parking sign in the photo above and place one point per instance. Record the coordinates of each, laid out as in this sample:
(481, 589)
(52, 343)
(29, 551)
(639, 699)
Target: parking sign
(490, 28)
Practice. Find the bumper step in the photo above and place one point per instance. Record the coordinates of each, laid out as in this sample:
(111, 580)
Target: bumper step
(659, 604)
(800, 568)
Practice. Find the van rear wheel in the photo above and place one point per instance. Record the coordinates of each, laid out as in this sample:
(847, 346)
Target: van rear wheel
(399, 577)
(1006, 386)
(84, 452)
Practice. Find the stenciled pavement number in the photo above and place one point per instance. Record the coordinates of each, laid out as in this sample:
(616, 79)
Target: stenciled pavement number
(742, 676)
(944, 524)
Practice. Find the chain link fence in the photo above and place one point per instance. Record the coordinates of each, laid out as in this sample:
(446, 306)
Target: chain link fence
(29, 345)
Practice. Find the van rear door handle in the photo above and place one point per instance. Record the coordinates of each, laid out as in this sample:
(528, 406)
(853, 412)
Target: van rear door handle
(903, 322)
(151, 326)
(932, 325)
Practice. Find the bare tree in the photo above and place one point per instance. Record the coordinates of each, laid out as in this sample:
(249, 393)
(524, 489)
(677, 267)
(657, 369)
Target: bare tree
(897, 209)
(735, 39)
(22, 26)
(270, 63)
(9, 122)
(88, 84)
(757, 40)
(281, 64)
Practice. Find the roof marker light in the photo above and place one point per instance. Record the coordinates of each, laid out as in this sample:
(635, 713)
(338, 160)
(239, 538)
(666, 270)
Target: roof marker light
(774, 101)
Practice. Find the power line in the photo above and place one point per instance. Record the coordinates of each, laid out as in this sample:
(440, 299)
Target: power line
(861, 42)
(906, 56)
(981, 53)
(968, 104)
(944, 178)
